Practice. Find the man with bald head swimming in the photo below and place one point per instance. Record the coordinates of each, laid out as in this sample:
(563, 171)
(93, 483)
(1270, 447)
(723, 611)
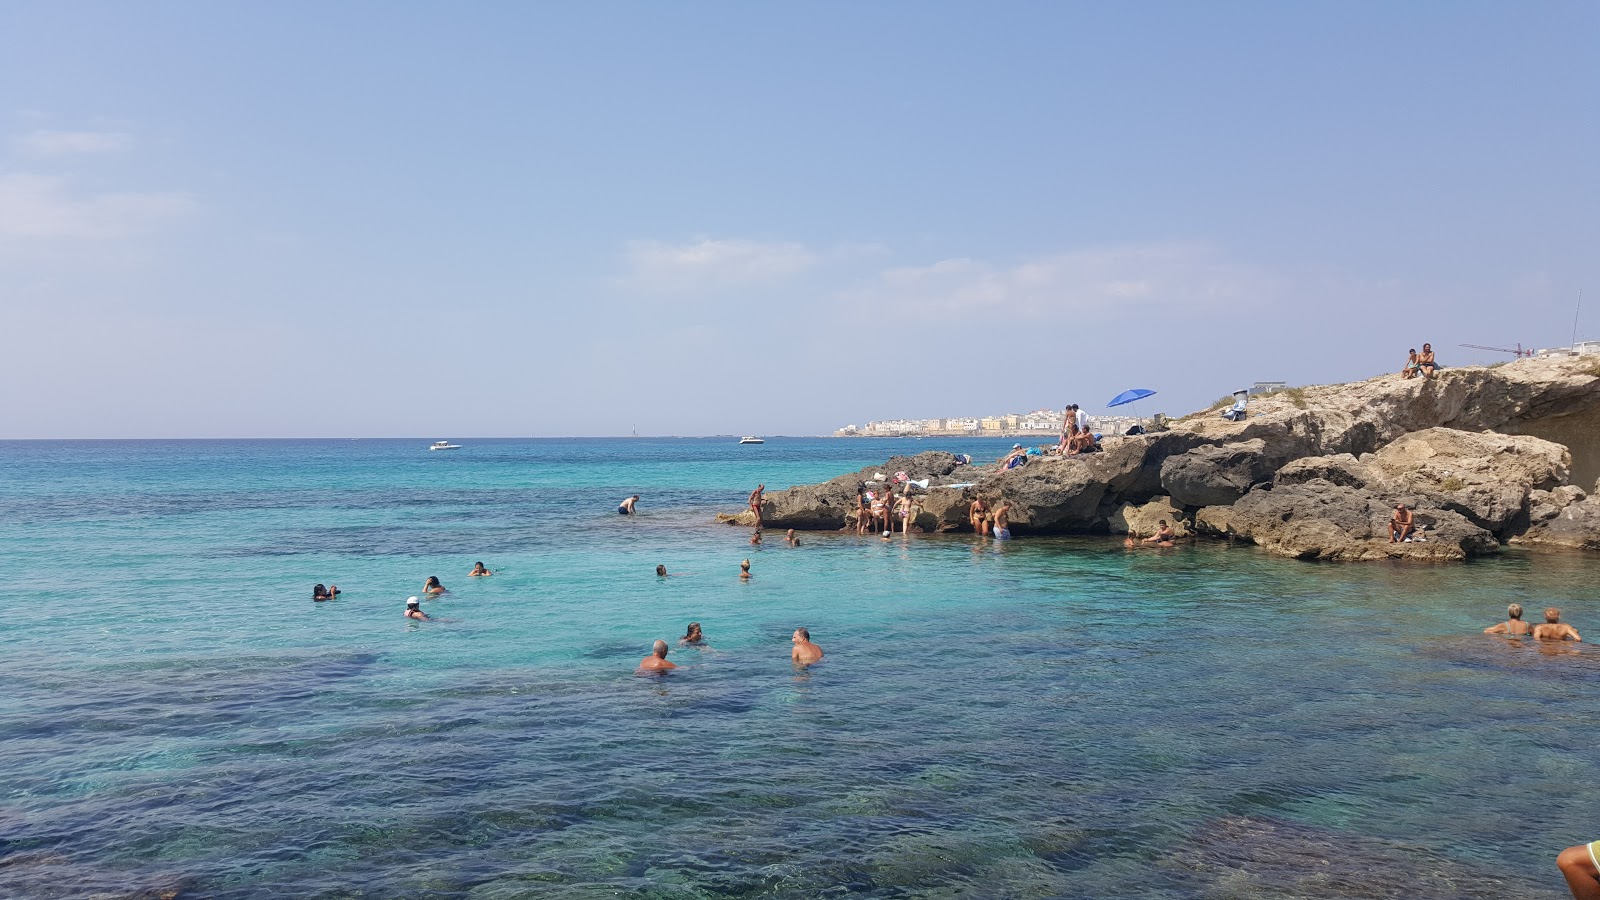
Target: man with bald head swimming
(657, 660)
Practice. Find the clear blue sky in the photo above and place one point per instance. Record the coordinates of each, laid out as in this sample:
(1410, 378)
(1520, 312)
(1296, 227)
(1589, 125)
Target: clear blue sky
(455, 220)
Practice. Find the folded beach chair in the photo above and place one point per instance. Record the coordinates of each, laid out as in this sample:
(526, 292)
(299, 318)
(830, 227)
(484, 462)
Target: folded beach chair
(1236, 412)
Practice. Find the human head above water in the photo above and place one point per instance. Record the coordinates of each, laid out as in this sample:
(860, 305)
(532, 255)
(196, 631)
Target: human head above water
(1514, 610)
(661, 570)
(659, 648)
(802, 634)
(693, 634)
(1552, 615)
(412, 603)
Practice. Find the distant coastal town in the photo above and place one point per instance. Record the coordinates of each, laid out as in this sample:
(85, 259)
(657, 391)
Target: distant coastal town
(1043, 424)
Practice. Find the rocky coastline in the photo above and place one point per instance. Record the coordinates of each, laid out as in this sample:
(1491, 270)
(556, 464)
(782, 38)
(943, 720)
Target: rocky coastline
(1484, 456)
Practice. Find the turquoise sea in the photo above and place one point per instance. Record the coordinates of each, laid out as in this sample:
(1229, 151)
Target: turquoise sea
(1043, 718)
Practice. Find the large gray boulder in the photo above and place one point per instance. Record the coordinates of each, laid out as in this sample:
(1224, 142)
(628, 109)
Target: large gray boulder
(1323, 520)
(1557, 399)
(1484, 476)
(1564, 518)
(1218, 474)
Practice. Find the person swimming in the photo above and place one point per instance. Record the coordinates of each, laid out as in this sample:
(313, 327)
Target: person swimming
(661, 571)
(478, 570)
(744, 570)
(804, 653)
(657, 660)
(693, 636)
(791, 539)
(414, 609)
(755, 539)
(321, 593)
(1512, 625)
(433, 588)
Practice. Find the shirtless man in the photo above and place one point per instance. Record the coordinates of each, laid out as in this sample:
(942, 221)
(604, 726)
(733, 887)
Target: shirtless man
(1553, 629)
(657, 660)
(805, 653)
(625, 508)
(1425, 361)
(790, 539)
(755, 502)
(1400, 524)
(1513, 625)
(755, 539)
(1164, 535)
(414, 609)
(1085, 438)
(978, 514)
(1002, 521)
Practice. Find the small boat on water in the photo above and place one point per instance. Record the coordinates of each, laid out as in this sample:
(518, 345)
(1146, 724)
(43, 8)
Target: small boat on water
(444, 445)
(751, 439)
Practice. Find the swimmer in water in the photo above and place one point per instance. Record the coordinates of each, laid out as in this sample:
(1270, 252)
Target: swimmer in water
(755, 539)
(693, 637)
(661, 571)
(744, 570)
(320, 593)
(1164, 535)
(1514, 625)
(791, 539)
(625, 508)
(1552, 628)
(414, 609)
(657, 660)
(433, 588)
(478, 570)
(804, 653)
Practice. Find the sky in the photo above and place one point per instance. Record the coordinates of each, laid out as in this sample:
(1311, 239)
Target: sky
(360, 219)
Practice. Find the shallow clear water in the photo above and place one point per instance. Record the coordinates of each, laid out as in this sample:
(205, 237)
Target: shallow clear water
(1043, 718)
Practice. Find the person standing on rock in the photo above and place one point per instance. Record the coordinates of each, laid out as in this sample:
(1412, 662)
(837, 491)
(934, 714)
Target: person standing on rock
(978, 515)
(1513, 625)
(1002, 521)
(1401, 524)
(755, 502)
(1553, 629)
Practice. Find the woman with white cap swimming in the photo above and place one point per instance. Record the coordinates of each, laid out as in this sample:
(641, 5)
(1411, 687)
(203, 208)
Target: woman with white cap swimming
(414, 609)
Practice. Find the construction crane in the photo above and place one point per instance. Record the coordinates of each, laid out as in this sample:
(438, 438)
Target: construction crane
(1518, 352)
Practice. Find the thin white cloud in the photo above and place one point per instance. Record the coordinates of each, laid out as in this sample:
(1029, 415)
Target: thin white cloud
(45, 207)
(705, 263)
(1143, 277)
(72, 143)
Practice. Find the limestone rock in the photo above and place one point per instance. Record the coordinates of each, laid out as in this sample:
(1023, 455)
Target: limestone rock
(1486, 477)
(1143, 519)
(1216, 474)
(1322, 520)
(1562, 518)
(831, 504)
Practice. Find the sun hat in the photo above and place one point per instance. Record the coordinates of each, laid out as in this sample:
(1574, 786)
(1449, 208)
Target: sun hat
(412, 601)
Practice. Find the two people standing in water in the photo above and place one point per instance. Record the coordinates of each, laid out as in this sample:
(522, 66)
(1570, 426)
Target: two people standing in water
(803, 653)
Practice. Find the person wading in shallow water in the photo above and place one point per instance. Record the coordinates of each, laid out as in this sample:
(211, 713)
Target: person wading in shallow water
(1553, 629)
(657, 660)
(804, 653)
(1513, 625)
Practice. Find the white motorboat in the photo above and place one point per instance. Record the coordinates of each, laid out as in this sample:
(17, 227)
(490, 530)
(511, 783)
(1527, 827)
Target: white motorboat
(751, 439)
(444, 445)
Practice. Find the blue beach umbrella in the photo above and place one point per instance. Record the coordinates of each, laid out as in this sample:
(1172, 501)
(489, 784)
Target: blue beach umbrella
(1132, 395)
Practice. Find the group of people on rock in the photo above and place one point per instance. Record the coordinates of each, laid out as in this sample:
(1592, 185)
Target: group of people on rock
(1075, 434)
(1422, 364)
(877, 507)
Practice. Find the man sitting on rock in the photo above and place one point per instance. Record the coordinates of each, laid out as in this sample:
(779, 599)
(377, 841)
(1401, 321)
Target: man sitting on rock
(1513, 625)
(1553, 629)
(1401, 524)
